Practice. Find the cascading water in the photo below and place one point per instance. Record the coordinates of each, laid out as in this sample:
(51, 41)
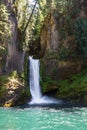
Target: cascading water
(34, 78)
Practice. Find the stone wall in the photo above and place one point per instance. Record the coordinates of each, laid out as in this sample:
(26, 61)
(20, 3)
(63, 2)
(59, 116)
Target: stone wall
(51, 40)
(49, 34)
(61, 69)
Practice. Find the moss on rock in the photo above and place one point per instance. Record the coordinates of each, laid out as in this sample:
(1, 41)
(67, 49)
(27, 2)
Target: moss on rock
(13, 91)
(72, 89)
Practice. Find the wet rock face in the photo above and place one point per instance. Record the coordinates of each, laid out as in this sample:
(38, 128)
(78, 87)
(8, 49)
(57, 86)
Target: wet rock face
(59, 70)
(49, 45)
(51, 40)
(49, 34)
(50, 68)
(35, 49)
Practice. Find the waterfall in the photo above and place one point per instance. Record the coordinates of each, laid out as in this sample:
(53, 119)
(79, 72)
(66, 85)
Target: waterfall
(34, 79)
(35, 88)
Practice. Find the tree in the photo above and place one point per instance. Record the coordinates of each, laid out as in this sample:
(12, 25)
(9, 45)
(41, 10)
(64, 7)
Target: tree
(15, 55)
(4, 26)
(4, 34)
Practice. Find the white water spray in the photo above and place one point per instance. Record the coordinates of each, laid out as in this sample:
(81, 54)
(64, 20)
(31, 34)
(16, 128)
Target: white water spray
(34, 78)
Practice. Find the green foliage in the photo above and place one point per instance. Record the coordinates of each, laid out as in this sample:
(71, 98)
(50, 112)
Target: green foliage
(4, 25)
(3, 81)
(67, 49)
(13, 74)
(47, 82)
(77, 48)
(25, 93)
(63, 33)
(63, 53)
(69, 27)
(52, 55)
(37, 20)
(4, 33)
(80, 31)
(2, 50)
(61, 5)
(25, 74)
(74, 87)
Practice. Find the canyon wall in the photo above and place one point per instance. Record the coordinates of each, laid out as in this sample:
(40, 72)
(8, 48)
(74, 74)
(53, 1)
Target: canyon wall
(58, 45)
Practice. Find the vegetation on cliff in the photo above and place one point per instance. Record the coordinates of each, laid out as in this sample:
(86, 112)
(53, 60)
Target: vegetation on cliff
(72, 89)
(54, 30)
(12, 90)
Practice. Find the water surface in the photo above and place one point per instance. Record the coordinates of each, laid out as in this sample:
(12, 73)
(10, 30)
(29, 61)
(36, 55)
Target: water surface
(43, 119)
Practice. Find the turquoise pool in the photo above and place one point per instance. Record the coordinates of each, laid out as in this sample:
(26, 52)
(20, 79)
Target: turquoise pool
(40, 118)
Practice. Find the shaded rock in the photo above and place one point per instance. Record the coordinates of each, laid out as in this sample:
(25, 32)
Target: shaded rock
(13, 92)
(49, 34)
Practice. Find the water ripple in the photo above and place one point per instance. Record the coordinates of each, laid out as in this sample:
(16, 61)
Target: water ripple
(43, 119)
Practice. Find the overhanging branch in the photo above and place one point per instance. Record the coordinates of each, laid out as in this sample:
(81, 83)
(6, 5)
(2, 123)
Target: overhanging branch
(30, 17)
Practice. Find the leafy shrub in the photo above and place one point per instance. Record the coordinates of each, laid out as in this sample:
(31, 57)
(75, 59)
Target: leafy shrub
(3, 81)
(74, 87)
(63, 53)
(80, 32)
(4, 24)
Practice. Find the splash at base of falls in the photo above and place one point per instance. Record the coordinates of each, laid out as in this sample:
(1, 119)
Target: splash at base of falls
(45, 100)
(35, 88)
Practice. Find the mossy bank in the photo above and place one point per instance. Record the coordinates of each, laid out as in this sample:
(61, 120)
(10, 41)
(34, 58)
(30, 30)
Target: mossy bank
(73, 89)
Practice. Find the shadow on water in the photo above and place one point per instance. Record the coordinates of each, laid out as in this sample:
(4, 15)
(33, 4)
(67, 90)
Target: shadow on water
(60, 105)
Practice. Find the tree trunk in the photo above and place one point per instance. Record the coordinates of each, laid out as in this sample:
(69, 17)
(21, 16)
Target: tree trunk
(15, 56)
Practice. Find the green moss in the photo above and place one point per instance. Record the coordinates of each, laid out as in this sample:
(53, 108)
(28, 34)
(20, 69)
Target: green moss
(26, 70)
(47, 83)
(74, 88)
(23, 97)
(13, 80)
(52, 55)
(25, 93)
(3, 81)
(13, 74)
(85, 98)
